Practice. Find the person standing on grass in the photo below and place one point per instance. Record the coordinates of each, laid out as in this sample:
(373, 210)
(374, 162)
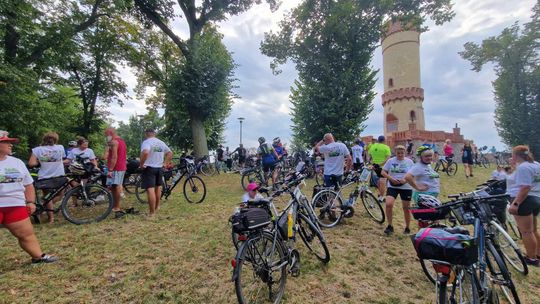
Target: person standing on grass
(116, 156)
(154, 155)
(336, 156)
(357, 154)
(467, 158)
(17, 201)
(523, 186)
(380, 153)
(50, 157)
(394, 170)
(422, 177)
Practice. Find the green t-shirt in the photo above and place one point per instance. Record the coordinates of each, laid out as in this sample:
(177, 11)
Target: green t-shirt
(379, 153)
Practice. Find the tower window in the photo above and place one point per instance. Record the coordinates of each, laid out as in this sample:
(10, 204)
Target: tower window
(391, 123)
(413, 116)
(391, 82)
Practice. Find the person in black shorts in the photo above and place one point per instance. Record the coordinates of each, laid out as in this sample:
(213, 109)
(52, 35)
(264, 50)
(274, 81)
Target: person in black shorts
(394, 171)
(241, 155)
(467, 158)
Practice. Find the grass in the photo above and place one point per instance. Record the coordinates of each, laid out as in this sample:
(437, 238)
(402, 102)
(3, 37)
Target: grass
(183, 256)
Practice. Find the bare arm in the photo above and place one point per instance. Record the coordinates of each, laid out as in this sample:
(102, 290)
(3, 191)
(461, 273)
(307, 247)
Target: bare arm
(409, 178)
(33, 161)
(168, 158)
(144, 156)
(114, 156)
(348, 162)
(29, 193)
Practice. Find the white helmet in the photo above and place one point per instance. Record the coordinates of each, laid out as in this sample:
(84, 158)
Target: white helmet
(77, 168)
(428, 201)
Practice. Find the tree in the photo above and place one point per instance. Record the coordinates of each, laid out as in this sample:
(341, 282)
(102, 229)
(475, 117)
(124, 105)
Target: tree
(161, 14)
(517, 87)
(332, 43)
(133, 132)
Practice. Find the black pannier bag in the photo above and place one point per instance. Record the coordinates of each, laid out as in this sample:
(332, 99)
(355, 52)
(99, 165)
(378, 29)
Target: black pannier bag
(132, 166)
(250, 219)
(51, 183)
(438, 244)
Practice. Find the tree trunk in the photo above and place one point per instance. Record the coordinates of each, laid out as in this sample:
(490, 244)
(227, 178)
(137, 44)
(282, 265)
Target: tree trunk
(200, 145)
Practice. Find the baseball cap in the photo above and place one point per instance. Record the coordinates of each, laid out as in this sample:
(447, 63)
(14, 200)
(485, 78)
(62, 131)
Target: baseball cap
(381, 138)
(252, 187)
(4, 137)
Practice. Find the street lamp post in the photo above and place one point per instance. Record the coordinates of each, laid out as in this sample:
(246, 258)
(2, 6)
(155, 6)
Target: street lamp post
(241, 119)
(141, 117)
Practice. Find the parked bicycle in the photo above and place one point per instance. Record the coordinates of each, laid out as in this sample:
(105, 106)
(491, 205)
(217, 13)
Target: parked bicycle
(194, 188)
(268, 254)
(333, 204)
(446, 164)
(257, 175)
(480, 159)
(85, 200)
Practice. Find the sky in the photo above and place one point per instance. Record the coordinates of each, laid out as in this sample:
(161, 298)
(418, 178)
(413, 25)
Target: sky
(452, 92)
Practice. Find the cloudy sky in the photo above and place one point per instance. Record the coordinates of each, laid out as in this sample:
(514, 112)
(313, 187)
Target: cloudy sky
(453, 93)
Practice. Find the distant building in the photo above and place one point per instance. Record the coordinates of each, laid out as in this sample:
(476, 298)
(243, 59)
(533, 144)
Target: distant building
(403, 94)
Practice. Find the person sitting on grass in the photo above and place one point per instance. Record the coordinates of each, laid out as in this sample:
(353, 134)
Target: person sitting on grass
(252, 194)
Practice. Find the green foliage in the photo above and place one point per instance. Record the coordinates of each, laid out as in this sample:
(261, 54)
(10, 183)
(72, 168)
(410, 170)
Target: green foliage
(133, 132)
(332, 43)
(517, 87)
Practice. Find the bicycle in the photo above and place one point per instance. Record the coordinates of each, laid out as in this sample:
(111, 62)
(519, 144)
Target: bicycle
(194, 188)
(446, 164)
(480, 159)
(85, 201)
(331, 206)
(204, 166)
(472, 209)
(264, 259)
(259, 176)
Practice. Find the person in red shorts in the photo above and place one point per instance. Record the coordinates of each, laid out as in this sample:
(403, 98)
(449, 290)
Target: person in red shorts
(17, 196)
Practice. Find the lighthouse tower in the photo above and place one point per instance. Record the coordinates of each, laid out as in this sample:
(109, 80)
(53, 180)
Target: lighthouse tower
(403, 95)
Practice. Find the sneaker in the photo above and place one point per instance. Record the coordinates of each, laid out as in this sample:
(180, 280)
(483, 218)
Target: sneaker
(532, 262)
(389, 230)
(45, 258)
(381, 199)
(407, 231)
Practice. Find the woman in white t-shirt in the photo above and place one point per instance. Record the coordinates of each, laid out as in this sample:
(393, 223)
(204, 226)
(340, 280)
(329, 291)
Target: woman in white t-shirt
(523, 186)
(17, 198)
(82, 151)
(49, 156)
(422, 177)
(394, 171)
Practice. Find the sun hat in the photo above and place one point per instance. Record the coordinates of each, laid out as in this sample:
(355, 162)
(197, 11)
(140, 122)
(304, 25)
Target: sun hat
(4, 137)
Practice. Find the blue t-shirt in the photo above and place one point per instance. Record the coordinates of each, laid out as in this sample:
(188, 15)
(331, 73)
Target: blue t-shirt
(267, 154)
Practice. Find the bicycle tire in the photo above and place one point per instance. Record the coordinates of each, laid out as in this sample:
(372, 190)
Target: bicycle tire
(372, 206)
(452, 169)
(208, 169)
(500, 272)
(309, 233)
(250, 256)
(130, 182)
(93, 199)
(140, 194)
(327, 204)
(248, 177)
(192, 185)
(512, 227)
(485, 162)
(509, 250)
(441, 288)
(467, 286)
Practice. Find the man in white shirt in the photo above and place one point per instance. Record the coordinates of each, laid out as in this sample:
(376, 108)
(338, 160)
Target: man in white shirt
(336, 156)
(154, 155)
(357, 152)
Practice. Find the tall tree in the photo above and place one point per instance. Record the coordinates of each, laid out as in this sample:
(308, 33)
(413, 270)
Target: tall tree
(332, 43)
(133, 131)
(517, 87)
(161, 14)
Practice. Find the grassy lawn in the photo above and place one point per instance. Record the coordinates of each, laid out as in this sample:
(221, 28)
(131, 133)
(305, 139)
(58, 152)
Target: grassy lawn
(183, 256)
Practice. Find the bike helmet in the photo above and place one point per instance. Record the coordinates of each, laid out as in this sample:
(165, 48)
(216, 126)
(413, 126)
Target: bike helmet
(428, 201)
(421, 150)
(77, 168)
(72, 143)
(261, 140)
(277, 140)
(358, 141)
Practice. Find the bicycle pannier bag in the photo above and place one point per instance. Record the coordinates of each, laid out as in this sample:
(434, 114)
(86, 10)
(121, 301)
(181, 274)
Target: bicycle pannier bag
(438, 244)
(250, 219)
(51, 183)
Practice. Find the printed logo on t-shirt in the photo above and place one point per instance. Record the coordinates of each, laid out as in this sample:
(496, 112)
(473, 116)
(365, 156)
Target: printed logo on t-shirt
(334, 154)
(157, 149)
(50, 157)
(431, 174)
(399, 168)
(11, 175)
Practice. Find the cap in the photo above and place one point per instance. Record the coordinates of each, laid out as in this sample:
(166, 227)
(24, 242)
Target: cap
(381, 138)
(400, 147)
(4, 137)
(150, 130)
(252, 187)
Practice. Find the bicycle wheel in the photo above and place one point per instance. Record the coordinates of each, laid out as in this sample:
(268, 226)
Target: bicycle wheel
(511, 226)
(452, 169)
(83, 205)
(485, 162)
(327, 206)
(261, 270)
(194, 189)
(313, 238)
(208, 169)
(140, 193)
(250, 176)
(500, 274)
(130, 182)
(509, 250)
(373, 206)
(466, 287)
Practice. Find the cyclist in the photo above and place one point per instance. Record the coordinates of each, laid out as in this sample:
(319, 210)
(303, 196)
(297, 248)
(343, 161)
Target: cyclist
(410, 146)
(467, 158)
(380, 153)
(336, 156)
(242, 153)
(71, 145)
(49, 156)
(220, 160)
(251, 193)
(357, 154)
(394, 170)
(17, 197)
(448, 150)
(268, 157)
(422, 177)
(116, 156)
(278, 147)
(523, 186)
(82, 152)
(154, 155)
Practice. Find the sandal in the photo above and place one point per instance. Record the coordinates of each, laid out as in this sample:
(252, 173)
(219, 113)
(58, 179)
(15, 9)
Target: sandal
(132, 210)
(118, 214)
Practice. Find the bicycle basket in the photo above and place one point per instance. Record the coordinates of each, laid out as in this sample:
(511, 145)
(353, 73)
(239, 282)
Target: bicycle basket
(441, 245)
(429, 214)
(51, 183)
(250, 219)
